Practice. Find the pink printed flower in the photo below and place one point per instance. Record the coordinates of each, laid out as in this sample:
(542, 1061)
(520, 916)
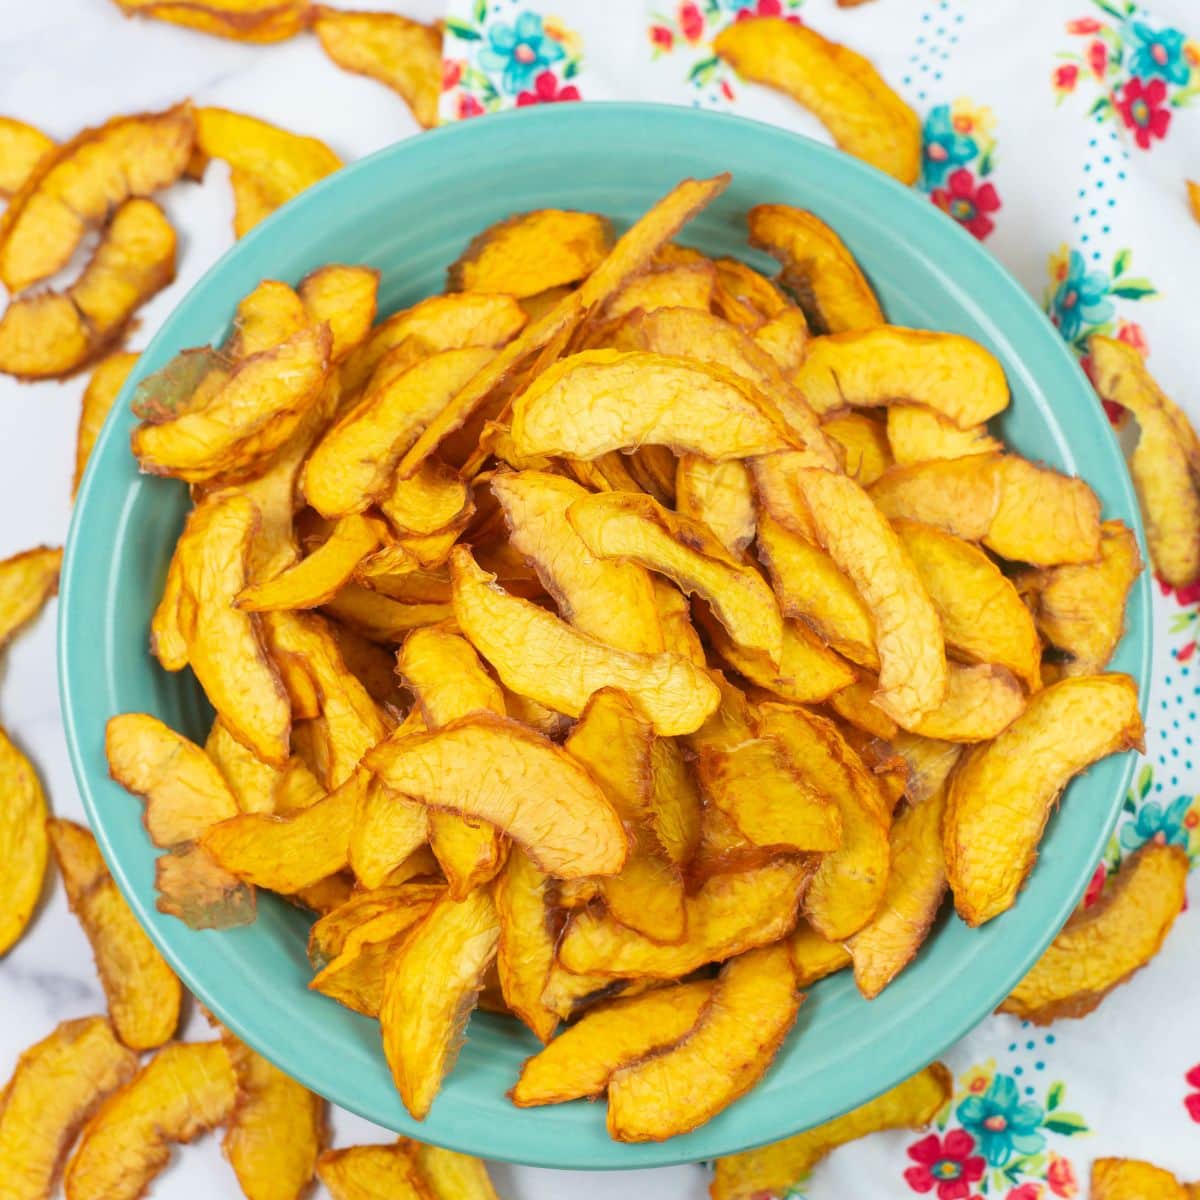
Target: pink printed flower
(1133, 335)
(1143, 109)
(766, 8)
(452, 70)
(691, 22)
(1097, 56)
(662, 37)
(1184, 597)
(1060, 1175)
(1192, 1100)
(1083, 25)
(1026, 1191)
(468, 106)
(945, 1163)
(1094, 888)
(968, 202)
(1065, 77)
(547, 91)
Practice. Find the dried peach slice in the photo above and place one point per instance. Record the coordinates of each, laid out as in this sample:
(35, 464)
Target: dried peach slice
(402, 54)
(51, 334)
(1101, 946)
(1002, 792)
(318, 578)
(526, 949)
(181, 1092)
(842, 89)
(981, 701)
(918, 435)
(582, 1059)
(886, 364)
(574, 408)
(103, 388)
(344, 297)
(738, 1032)
(541, 657)
(613, 601)
(909, 1105)
(430, 991)
(241, 20)
(1166, 463)
(718, 496)
(733, 911)
(27, 581)
(1134, 1179)
(143, 993)
(452, 1176)
(814, 957)
(629, 528)
(370, 1172)
(245, 421)
(983, 617)
(532, 252)
(22, 147)
(817, 268)
(352, 464)
(22, 840)
(78, 185)
(883, 947)
(276, 1130)
(495, 770)
(55, 1086)
(1080, 608)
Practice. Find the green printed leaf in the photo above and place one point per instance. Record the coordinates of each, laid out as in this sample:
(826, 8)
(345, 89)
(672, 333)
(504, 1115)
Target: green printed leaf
(1054, 1095)
(703, 69)
(463, 31)
(1066, 1123)
(1120, 263)
(480, 11)
(571, 69)
(1102, 106)
(1135, 289)
(1145, 779)
(1112, 10)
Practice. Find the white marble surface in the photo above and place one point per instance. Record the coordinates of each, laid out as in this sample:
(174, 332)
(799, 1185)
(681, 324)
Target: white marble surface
(65, 64)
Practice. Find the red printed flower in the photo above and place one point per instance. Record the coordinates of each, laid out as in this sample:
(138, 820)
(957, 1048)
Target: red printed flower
(1097, 56)
(452, 69)
(1084, 25)
(1192, 1100)
(1060, 1175)
(945, 1163)
(1184, 597)
(727, 90)
(1025, 1191)
(1133, 335)
(1065, 77)
(662, 37)
(691, 22)
(1143, 109)
(468, 106)
(766, 8)
(968, 203)
(547, 91)
(1094, 888)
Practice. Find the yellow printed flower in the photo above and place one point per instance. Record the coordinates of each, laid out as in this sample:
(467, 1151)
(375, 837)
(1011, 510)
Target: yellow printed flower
(1060, 262)
(1191, 52)
(568, 39)
(969, 118)
(976, 1080)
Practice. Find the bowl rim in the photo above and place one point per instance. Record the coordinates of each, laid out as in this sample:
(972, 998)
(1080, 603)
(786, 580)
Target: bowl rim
(618, 1156)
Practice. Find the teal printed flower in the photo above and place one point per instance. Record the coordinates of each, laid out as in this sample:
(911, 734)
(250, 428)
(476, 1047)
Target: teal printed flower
(1156, 52)
(943, 147)
(1000, 1123)
(520, 51)
(1155, 822)
(1080, 299)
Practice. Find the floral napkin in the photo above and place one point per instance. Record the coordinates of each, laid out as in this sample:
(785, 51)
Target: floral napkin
(1060, 134)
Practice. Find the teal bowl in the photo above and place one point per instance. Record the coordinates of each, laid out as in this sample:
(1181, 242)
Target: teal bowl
(409, 211)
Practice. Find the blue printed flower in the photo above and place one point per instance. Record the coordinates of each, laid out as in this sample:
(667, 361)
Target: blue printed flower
(1157, 52)
(1156, 823)
(1081, 298)
(1000, 1123)
(943, 148)
(520, 51)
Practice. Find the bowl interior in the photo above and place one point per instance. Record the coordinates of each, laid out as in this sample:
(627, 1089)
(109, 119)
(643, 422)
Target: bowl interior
(409, 211)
